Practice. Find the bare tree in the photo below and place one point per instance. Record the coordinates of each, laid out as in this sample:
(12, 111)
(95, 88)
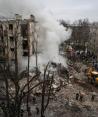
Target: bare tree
(46, 80)
(81, 31)
(13, 93)
(12, 108)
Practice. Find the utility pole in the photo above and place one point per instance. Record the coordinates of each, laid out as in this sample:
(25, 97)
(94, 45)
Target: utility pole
(16, 58)
(7, 50)
(16, 36)
(28, 69)
(36, 59)
(36, 45)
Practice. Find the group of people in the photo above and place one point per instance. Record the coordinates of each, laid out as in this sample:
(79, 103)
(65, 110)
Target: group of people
(80, 96)
(76, 54)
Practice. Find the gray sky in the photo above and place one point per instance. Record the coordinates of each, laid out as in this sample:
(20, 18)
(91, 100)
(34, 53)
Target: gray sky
(73, 9)
(60, 9)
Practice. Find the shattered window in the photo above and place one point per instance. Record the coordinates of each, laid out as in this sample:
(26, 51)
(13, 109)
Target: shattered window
(1, 49)
(12, 49)
(25, 44)
(12, 38)
(25, 53)
(1, 30)
(10, 26)
(24, 30)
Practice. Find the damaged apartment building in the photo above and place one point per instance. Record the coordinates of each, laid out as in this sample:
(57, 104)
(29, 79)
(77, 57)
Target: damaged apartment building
(23, 31)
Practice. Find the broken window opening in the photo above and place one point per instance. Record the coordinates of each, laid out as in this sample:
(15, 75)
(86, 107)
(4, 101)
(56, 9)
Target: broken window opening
(1, 49)
(11, 38)
(1, 31)
(10, 26)
(2, 39)
(25, 44)
(13, 60)
(25, 53)
(24, 30)
(12, 49)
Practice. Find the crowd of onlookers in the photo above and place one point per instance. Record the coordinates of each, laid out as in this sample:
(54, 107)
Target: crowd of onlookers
(81, 95)
(81, 55)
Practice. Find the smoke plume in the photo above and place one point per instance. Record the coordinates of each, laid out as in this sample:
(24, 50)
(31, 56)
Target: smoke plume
(51, 33)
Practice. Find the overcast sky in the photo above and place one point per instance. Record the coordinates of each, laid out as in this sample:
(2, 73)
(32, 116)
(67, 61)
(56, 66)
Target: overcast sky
(60, 9)
(73, 9)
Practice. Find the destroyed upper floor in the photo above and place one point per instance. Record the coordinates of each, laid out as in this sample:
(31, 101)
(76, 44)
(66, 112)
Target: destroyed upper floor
(23, 26)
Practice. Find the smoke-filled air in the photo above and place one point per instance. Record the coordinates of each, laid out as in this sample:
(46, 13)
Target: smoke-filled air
(50, 33)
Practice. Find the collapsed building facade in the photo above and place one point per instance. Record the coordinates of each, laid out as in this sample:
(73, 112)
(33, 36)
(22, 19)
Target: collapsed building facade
(23, 31)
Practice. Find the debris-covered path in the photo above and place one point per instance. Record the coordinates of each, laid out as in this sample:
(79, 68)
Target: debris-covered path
(65, 104)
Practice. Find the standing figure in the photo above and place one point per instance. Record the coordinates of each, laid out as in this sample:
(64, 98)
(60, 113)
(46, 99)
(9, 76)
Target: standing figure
(81, 96)
(93, 96)
(77, 96)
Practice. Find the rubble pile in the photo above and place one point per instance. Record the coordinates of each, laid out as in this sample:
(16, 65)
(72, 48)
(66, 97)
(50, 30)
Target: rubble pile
(64, 102)
(67, 82)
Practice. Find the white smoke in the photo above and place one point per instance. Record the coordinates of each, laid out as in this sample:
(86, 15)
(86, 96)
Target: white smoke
(51, 33)
(52, 36)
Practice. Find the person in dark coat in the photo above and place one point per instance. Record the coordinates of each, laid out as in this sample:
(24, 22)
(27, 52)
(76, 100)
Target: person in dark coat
(77, 96)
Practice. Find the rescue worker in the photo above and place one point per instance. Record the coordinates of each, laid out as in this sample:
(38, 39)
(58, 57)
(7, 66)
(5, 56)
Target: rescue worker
(81, 96)
(89, 71)
(93, 96)
(37, 110)
(77, 96)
